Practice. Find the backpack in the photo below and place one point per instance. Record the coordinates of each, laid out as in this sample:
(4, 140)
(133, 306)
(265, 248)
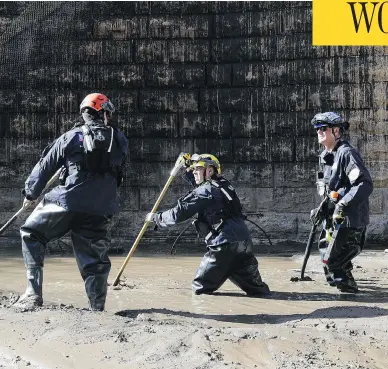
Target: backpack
(98, 140)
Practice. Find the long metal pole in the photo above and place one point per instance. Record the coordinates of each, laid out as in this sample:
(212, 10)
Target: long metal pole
(179, 164)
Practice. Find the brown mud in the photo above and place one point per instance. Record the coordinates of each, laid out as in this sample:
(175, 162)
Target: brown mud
(153, 320)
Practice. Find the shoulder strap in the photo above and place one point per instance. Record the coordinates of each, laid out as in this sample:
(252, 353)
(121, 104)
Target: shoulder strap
(88, 140)
(230, 196)
(111, 139)
(223, 190)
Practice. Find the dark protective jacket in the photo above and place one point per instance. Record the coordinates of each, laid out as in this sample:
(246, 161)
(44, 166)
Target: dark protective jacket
(208, 203)
(345, 173)
(83, 191)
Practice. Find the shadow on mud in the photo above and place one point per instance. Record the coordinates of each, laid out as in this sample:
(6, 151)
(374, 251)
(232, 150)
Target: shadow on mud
(376, 295)
(337, 312)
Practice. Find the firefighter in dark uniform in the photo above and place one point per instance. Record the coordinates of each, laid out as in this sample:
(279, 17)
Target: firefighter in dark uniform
(92, 156)
(229, 245)
(343, 173)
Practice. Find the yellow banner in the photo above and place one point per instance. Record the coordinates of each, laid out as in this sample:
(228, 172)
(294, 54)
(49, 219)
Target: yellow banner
(340, 22)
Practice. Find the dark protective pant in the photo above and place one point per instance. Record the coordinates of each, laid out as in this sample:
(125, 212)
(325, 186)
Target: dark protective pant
(348, 244)
(234, 261)
(49, 222)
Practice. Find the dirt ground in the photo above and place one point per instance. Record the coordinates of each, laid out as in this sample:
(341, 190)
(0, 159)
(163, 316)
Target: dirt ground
(154, 320)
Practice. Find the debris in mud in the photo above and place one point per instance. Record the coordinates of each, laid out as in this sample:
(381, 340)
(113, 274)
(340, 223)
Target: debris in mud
(144, 318)
(19, 361)
(304, 279)
(215, 356)
(124, 284)
(8, 301)
(28, 305)
(148, 329)
(121, 337)
(168, 322)
(66, 306)
(330, 325)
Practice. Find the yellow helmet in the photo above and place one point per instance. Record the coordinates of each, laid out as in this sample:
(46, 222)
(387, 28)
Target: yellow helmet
(205, 160)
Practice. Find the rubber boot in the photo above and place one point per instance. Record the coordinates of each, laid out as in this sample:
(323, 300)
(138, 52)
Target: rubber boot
(263, 290)
(96, 306)
(96, 289)
(350, 276)
(347, 285)
(32, 297)
(350, 285)
(329, 277)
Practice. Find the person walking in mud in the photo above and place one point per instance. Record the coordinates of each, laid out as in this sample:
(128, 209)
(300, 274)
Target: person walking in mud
(344, 179)
(220, 221)
(92, 155)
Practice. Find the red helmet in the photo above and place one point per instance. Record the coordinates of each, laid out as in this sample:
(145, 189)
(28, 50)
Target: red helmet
(97, 102)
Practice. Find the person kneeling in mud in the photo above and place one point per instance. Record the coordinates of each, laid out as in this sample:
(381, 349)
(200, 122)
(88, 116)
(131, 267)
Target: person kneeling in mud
(219, 219)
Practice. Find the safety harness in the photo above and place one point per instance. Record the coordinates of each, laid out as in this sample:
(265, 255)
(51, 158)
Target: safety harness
(97, 142)
(232, 208)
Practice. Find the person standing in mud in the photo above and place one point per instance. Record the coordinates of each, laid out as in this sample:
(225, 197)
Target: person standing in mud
(220, 221)
(92, 155)
(344, 179)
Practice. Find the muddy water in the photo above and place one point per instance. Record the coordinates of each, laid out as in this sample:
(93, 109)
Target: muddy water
(154, 321)
(165, 283)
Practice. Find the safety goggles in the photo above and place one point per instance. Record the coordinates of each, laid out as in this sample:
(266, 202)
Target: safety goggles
(195, 157)
(322, 128)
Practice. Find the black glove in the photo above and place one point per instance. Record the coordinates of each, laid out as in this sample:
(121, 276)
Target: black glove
(63, 175)
(338, 215)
